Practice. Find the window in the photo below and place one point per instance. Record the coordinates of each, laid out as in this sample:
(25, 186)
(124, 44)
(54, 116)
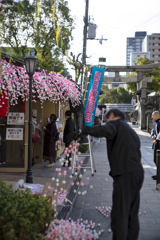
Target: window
(152, 55)
(152, 44)
(152, 50)
(153, 38)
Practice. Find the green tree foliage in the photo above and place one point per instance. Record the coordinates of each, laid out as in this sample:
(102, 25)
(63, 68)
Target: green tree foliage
(132, 86)
(155, 74)
(143, 61)
(46, 26)
(115, 95)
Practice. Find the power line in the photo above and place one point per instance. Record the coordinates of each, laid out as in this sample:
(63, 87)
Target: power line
(124, 32)
(144, 23)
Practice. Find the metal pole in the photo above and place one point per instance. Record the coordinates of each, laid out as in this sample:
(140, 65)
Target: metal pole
(29, 176)
(85, 33)
(84, 39)
(158, 169)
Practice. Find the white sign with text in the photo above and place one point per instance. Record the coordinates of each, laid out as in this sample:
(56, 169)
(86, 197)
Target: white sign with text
(14, 133)
(15, 118)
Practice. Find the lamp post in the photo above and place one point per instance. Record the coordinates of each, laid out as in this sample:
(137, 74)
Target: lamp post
(30, 63)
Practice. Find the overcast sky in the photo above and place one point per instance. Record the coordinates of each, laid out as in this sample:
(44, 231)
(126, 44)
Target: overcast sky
(116, 21)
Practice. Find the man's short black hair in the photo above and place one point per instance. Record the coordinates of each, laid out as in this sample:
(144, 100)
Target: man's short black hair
(116, 112)
(68, 113)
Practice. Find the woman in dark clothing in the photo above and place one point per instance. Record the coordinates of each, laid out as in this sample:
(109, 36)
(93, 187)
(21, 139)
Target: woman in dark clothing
(49, 140)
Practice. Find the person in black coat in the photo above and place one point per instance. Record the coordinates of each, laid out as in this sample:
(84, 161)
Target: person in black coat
(155, 135)
(68, 132)
(79, 118)
(123, 147)
(49, 140)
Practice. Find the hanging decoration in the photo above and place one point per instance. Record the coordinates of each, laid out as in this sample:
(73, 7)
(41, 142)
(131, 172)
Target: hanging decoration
(53, 14)
(3, 101)
(46, 86)
(57, 35)
(38, 8)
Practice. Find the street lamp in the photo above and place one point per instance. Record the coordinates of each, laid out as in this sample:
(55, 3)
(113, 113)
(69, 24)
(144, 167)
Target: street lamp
(30, 63)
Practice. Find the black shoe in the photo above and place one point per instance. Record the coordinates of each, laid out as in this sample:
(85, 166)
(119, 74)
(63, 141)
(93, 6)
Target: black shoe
(154, 176)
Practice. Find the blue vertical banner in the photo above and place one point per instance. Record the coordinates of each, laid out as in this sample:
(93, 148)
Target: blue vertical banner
(94, 87)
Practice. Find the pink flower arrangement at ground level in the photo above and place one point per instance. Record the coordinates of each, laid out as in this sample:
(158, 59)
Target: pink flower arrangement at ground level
(71, 230)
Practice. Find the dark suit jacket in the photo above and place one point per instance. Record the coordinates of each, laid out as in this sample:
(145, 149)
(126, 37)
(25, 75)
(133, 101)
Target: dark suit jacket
(123, 146)
(68, 131)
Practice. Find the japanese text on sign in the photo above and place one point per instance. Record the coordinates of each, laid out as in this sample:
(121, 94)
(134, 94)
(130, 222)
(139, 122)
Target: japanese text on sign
(94, 88)
(14, 133)
(15, 118)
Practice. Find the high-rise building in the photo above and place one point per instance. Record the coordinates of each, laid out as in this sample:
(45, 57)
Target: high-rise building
(134, 44)
(151, 43)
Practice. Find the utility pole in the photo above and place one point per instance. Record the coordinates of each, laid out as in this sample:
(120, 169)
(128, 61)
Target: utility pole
(85, 33)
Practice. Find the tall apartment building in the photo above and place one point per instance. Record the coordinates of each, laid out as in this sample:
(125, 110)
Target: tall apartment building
(151, 43)
(134, 44)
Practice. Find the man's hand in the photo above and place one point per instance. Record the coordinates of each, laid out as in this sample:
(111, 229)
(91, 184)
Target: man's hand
(153, 138)
(154, 142)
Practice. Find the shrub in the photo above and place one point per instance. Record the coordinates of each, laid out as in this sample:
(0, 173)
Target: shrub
(23, 215)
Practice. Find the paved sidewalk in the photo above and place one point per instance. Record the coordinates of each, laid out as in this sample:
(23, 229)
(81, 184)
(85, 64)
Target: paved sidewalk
(84, 206)
(101, 193)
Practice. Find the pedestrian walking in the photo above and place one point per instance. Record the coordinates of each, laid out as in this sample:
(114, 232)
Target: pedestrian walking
(68, 133)
(123, 147)
(155, 135)
(49, 140)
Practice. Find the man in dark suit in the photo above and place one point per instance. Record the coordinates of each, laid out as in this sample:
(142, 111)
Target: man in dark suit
(155, 135)
(68, 132)
(123, 147)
